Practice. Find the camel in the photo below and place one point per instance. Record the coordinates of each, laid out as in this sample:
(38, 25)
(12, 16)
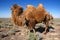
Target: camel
(17, 17)
(31, 16)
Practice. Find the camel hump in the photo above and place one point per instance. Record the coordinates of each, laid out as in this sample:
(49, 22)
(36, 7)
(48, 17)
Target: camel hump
(30, 7)
(40, 6)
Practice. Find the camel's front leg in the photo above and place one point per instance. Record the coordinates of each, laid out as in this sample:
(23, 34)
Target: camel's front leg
(32, 26)
(46, 27)
(45, 30)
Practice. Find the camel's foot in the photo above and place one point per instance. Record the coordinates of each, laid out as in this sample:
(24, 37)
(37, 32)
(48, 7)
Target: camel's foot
(44, 32)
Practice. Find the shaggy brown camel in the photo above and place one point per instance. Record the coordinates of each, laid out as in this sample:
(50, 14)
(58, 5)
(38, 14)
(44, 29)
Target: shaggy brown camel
(17, 17)
(31, 14)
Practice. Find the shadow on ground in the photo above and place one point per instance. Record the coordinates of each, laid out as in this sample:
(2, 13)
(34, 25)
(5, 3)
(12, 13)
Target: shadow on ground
(41, 29)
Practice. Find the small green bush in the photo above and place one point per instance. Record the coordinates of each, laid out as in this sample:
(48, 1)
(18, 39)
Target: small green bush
(31, 36)
(35, 37)
(0, 21)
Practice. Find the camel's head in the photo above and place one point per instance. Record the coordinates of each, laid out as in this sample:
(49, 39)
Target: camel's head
(17, 10)
(49, 18)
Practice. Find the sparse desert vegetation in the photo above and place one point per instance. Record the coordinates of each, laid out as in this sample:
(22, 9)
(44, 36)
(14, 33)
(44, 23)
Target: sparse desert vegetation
(9, 32)
(29, 19)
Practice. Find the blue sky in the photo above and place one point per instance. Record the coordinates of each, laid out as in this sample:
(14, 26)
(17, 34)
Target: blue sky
(52, 6)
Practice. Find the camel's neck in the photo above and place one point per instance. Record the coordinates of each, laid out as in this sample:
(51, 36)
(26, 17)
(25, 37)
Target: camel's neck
(16, 20)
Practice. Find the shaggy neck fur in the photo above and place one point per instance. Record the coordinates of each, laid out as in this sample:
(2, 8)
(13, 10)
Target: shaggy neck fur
(17, 20)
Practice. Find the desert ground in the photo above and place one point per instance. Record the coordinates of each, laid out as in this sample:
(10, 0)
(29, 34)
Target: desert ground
(10, 32)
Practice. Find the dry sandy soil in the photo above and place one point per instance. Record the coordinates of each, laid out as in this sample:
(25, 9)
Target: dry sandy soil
(9, 32)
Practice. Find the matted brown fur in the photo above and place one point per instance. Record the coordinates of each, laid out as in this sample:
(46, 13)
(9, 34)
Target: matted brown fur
(48, 16)
(33, 14)
(17, 17)
(37, 15)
